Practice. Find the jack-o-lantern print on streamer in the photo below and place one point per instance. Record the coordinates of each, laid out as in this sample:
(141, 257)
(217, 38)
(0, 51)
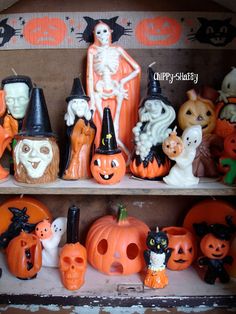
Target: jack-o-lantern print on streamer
(45, 31)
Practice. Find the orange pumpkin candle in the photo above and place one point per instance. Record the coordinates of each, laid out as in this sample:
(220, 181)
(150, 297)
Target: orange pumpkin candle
(115, 245)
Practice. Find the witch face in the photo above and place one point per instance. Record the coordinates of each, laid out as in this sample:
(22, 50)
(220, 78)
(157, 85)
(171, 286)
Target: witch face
(17, 99)
(77, 108)
(34, 155)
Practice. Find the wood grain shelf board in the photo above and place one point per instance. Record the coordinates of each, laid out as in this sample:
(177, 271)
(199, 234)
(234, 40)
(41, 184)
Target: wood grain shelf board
(128, 186)
(185, 288)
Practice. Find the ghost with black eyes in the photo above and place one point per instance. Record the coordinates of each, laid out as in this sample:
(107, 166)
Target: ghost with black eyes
(181, 174)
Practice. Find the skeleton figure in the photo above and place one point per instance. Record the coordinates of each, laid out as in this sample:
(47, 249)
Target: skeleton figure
(106, 82)
(181, 174)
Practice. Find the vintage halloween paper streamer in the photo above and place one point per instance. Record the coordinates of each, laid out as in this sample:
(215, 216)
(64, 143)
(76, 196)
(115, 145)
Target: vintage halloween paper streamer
(55, 30)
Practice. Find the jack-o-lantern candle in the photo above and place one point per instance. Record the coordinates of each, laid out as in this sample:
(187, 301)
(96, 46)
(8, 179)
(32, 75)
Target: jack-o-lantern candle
(80, 131)
(215, 245)
(24, 256)
(228, 159)
(183, 246)
(156, 257)
(108, 164)
(113, 79)
(36, 154)
(226, 106)
(201, 111)
(73, 255)
(115, 245)
(155, 116)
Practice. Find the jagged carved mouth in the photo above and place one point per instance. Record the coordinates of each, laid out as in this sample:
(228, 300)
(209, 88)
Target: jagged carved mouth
(106, 176)
(34, 164)
(116, 268)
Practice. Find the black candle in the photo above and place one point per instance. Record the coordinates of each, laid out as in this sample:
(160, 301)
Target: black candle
(73, 216)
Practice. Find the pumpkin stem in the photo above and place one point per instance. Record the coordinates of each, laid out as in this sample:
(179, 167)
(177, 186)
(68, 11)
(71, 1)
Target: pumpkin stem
(122, 213)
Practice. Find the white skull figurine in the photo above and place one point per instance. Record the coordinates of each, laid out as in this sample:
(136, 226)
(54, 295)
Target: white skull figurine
(102, 33)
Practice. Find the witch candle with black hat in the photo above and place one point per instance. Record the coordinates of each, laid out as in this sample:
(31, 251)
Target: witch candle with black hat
(108, 164)
(73, 256)
(36, 154)
(155, 116)
(80, 133)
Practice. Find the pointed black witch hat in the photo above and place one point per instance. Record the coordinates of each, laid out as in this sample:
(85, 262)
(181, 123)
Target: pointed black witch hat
(77, 91)
(36, 122)
(108, 144)
(154, 87)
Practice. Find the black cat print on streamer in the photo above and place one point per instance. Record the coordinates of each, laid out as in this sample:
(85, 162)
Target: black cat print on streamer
(133, 30)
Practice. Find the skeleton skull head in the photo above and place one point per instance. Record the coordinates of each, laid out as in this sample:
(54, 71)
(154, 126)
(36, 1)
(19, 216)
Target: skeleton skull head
(35, 155)
(72, 265)
(102, 34)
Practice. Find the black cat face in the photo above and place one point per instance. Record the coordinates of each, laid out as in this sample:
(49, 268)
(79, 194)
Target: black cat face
(117, 29)
(157, 241)
(214, 32)
(6, 32)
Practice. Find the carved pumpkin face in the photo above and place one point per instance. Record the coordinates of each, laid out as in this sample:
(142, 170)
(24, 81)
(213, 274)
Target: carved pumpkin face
(108, 169)
(72, 265)
(173, 145)
(45, 31)
(213, 247)
(226, 117)
(181, 241)
(43, 229)
(24, 255)
(115, 246)
(230, 145)
(197, 111)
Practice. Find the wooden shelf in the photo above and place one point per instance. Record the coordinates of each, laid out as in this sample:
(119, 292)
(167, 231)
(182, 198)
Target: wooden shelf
(128, 186)
(185, 288)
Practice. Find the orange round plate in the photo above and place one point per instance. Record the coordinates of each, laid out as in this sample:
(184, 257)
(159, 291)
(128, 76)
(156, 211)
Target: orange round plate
(36, 211)
(210, 211)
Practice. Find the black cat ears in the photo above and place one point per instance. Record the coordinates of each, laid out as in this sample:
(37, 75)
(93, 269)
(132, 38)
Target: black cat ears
(220, 231)
(117, 29)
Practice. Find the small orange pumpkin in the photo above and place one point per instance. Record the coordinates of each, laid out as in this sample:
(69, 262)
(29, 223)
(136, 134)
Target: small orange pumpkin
(108, 169)
(173, 145)
(24, 255)
(197, 111)
(43, 229)
(182, 243)
(230, 146)
(213, 247)
(224, 113)
(115, 245)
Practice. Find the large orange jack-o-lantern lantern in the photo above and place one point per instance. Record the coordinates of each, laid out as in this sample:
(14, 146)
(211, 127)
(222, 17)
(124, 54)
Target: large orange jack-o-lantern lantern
(115, 245)
(45, 31)
(182, 243)
(24, 256)
(108, 164)
(73, 256)
(197, 111)
(226, 117)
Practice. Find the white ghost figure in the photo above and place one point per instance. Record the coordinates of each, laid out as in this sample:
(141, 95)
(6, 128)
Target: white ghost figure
(181, 174)
(50, 253)
(228, 87)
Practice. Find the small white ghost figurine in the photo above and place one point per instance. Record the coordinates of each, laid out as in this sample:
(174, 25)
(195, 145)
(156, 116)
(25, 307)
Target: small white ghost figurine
(228, 87)
(181, 174)
(50, 253)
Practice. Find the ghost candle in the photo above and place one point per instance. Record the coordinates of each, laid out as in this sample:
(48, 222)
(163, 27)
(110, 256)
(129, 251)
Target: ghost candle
(50, 237)
(73, 256)
(181, 174)
(80, 131)
(113, 79)
(36, 154)
(155, 116)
